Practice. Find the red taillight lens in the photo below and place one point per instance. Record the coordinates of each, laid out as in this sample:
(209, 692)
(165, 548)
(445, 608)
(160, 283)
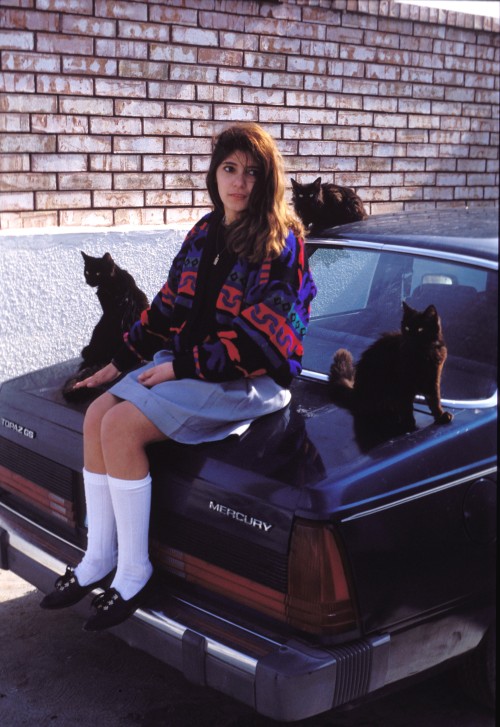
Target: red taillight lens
(319, 600)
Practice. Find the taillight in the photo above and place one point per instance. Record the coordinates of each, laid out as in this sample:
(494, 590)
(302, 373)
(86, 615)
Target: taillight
(319, 599)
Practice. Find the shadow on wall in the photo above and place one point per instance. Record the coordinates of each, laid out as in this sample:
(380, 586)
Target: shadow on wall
(48, 311)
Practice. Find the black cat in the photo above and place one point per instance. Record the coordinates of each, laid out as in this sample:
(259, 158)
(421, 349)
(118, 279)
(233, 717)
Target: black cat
(326, 205)
(381, 387)
(122, 303)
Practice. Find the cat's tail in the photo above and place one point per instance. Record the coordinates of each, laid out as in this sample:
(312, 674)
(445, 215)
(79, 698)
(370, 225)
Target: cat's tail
(341, 378)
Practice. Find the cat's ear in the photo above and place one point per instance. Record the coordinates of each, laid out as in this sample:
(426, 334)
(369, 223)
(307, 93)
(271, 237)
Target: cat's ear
(85, 257)
(107, 257)
(406, 308)
(317, 183)
(431, 312)
(295, 184)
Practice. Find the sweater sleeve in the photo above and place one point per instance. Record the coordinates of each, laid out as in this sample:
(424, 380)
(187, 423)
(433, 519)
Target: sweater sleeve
(266, 337)
(152, 332)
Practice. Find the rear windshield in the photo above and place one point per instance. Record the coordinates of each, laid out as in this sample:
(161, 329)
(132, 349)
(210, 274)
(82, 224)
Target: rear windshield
(360, 294)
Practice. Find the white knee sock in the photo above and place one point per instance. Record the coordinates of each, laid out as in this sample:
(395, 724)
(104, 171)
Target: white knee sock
(101, 554)
(132, 506)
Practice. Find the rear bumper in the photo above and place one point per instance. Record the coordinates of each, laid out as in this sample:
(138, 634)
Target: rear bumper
(284, 680)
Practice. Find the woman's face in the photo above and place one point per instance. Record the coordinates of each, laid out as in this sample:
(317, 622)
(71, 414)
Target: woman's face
(235, 178)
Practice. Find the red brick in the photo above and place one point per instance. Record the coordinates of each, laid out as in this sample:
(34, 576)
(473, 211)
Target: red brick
(84, 144)
(59, 124)
(15, 201)
(28, 103)
(105, 125)
(64, 85)
(143, 31)
(139, 216)
(221, 57)
(120, 48)
(138, 144)
(189, 111)
(118, 199)
(273, 44)
(14, 162)
(173, 91)
(86, 218)
(85, 65)
(28, 219)
(242, 77)
(162, 163)
(52, 43)
(120, 87)
(221, 94)
(71, 6)
(81, 105)
(88, 26)
(121, 9)
(193, 74)
(17, 40)
(345, 133)
(17, 83)
(27, 143)
(30, 62)
(143, 69)
(12, 182)
(59, 162)
(29, 20)
(115, 162)
(236, 113)
(167, 127)
(84, 180)
(62, 200)
(195, 36)
(138, 181)
(14, 122)
(170, 197)
(266, 61)
(171, 15)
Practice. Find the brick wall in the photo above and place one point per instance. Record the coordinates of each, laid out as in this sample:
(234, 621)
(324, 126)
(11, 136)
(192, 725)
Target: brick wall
(108, 107)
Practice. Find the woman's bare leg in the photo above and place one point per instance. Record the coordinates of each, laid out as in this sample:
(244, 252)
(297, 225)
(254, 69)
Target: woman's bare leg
(93, 458)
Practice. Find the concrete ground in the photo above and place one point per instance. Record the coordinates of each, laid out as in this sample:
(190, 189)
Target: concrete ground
(54, 674)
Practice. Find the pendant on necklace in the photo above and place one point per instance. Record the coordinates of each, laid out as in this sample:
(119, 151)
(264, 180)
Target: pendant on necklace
(216, 258)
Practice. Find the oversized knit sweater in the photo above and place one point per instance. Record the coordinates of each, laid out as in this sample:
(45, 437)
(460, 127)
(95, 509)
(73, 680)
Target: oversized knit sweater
(261, 316)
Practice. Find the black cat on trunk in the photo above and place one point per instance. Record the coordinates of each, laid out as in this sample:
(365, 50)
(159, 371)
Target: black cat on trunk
(326, 205)
(122, 303)
(381, 387)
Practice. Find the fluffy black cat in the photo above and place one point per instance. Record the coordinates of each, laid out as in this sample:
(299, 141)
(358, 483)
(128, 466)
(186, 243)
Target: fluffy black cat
(326, 205)
(381, 387)
(122, 303)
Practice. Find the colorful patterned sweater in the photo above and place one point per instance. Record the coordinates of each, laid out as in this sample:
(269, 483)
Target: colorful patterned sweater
(261, 316)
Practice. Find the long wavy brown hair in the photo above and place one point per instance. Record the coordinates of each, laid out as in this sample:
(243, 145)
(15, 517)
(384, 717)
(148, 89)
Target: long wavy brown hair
(260, 231)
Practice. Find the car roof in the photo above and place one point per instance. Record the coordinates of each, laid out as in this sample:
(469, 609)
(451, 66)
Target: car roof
(459, 233)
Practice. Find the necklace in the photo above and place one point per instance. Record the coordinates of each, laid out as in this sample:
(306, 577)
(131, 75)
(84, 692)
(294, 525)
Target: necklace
(217, 242)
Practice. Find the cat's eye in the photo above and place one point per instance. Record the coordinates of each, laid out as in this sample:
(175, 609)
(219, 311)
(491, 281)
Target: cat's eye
(407, 329)
(420, 329)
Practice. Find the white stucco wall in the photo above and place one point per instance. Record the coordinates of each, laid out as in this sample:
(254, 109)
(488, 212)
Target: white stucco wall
(47, 310)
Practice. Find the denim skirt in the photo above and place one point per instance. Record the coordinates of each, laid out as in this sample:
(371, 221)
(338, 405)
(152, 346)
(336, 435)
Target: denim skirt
(192, 411)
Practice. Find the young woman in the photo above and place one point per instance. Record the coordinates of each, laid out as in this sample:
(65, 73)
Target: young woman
(223, 339)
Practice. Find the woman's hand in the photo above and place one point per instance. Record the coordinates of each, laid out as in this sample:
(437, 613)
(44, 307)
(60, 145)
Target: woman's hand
(103, 376)
(157, 374)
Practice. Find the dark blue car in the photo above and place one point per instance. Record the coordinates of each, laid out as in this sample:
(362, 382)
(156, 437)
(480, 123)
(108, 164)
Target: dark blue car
(302, 566)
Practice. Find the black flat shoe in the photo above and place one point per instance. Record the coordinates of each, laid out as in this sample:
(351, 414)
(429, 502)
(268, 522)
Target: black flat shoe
(112, 609)
(67, 591)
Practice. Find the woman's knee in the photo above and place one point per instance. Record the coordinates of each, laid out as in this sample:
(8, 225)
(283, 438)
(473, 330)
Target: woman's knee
(96, 412)
(125, 425)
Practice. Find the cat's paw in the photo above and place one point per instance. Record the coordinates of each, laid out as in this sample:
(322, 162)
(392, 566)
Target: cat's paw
(444, 418)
